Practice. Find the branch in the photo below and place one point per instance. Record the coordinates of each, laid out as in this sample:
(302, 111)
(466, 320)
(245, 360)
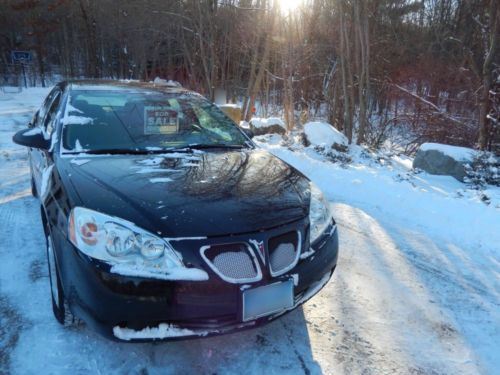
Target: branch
(432, 105)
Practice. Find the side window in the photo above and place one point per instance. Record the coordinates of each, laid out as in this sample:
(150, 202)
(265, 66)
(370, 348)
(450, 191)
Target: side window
(50, 117)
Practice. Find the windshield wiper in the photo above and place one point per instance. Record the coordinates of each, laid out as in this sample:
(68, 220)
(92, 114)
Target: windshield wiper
(204, 146)
(145, 151)
(130, 151)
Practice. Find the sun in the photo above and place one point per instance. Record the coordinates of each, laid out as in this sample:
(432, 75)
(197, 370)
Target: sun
(288, 6)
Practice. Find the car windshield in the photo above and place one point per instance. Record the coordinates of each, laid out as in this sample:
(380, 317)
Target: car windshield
(141, 119)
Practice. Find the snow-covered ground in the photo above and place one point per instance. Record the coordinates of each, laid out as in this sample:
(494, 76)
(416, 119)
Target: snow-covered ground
(416, 289)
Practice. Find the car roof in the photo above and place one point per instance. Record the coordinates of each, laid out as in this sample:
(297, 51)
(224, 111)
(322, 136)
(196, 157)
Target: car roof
(99, 84)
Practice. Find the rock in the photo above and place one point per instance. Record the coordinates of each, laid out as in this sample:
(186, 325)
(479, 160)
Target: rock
(272, 125)
(443, 160)
(325, 135)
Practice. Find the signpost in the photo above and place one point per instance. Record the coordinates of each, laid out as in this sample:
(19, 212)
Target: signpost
(21, 57)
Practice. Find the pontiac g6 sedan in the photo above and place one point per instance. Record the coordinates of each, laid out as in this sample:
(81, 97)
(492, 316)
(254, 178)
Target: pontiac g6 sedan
(163, 219)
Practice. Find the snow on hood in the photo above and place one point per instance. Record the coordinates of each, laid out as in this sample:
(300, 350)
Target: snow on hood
(214, 193)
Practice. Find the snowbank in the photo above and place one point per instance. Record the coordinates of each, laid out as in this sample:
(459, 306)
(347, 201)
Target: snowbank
(324, 134)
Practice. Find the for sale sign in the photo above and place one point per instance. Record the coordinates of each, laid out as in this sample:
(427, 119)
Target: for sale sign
(160, 120)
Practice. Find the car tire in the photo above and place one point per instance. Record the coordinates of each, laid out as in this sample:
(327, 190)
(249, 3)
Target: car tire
(33, 188)
(60, 307)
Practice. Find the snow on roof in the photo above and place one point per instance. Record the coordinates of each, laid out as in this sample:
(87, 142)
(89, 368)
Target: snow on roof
(258, 122)
(322, 133)
(454, 152)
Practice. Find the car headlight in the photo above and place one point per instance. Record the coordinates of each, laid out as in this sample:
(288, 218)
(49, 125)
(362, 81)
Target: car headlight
(319, 213)
(117, 241)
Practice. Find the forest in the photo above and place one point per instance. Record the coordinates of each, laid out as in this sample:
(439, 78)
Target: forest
(402, 71)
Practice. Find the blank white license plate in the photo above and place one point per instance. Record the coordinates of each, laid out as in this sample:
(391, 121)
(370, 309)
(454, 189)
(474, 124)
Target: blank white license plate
(267, 299)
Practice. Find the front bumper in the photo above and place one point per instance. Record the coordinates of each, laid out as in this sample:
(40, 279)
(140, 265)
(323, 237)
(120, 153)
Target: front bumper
(132, 308)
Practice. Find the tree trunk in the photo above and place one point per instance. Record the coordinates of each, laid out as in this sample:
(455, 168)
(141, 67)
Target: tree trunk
(486, 76)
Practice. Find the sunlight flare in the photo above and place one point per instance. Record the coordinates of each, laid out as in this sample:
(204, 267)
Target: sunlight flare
(289, 6)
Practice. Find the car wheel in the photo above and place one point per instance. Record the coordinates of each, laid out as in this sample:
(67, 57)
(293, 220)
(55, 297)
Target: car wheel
(60, 307)
(33, 188)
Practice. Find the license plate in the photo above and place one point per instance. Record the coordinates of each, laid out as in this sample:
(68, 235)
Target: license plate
(267, 299)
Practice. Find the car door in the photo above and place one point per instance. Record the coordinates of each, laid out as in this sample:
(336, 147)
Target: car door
(40, 159)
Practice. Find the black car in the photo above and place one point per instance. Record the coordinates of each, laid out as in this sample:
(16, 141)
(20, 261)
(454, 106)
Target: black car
(164, 220)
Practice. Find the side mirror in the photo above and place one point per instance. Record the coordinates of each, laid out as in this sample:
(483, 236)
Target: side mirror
(248, 132)
(31, 138)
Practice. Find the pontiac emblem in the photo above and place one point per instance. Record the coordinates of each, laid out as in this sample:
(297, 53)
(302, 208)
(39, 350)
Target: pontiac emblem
(260, 248)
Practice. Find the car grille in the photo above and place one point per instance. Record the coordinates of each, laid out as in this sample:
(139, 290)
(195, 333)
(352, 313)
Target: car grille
(283, 252)
(235, 263)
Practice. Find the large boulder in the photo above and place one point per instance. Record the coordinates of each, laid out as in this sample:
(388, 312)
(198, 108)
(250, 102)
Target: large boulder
(271, 125)
(439, 159)
(325, 135)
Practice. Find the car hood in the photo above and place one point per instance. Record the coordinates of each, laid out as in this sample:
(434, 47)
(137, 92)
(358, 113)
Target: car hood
(192, 194)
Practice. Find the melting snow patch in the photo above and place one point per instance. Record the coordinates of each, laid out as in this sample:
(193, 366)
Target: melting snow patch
(79, 161)
(53, 140)
(170, 239)
(70, 108)
(307, 254)
(174, 155)
(76, 120)
(159, 180)
(162, 331)
(78, 146)
(152, 161)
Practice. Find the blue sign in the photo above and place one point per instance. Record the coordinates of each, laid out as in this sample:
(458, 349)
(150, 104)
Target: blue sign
(20, 56)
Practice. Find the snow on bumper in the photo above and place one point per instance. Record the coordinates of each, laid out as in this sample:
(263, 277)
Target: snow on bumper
(165, 331)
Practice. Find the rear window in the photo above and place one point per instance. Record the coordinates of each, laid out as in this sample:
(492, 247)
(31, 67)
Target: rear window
(143, 119)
